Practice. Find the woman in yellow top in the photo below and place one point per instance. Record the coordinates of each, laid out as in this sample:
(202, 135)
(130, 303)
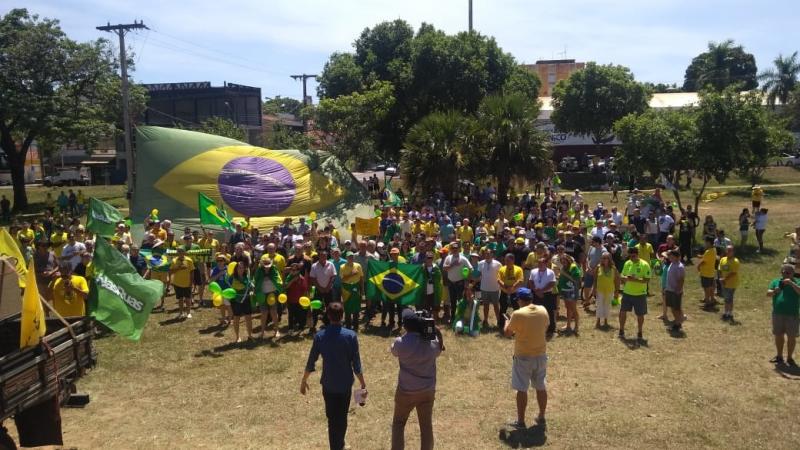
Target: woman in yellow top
(69, 293)
(352, 275)
(606, 286)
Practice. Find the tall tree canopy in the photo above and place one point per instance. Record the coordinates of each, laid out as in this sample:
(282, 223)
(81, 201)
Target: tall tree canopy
(280, 104)
(724, 64)
(780, 81)
(428, 71)
(53, 90)
(592, 99)
(220, 126)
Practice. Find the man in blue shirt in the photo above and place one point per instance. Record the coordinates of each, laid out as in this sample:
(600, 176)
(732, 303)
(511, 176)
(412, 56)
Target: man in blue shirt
(340, 360)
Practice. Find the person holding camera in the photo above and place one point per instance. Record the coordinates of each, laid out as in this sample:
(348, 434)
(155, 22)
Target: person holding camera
(416, 351)
(528, 325)
(338, 347)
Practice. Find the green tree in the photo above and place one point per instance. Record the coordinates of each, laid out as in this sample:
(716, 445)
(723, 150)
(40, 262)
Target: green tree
(286, 105)
(439, 149)
(52, 90)
(523, 81)
(514, 148)
(778, 82)
(429, 71)
(661, 143)
(221, 126)
(724, 64)
(352, 121)
(792, 110)
(591, 100)
(283, 137)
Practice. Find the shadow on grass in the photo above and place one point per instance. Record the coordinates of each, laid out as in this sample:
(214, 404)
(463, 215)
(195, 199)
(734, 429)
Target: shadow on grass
(788, 372)
(171, 321)
(216, 329)
(634, 343)
(534, 436)
(748, 253)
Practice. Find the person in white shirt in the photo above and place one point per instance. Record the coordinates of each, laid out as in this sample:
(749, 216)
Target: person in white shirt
(599, 230)
(490, 289)
(454, 263)
(322, 275)
(541, 283)
(665, 223)
(72, 251)
(616, 216)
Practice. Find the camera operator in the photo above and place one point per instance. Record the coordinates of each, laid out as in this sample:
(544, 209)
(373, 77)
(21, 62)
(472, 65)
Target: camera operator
(416, 382)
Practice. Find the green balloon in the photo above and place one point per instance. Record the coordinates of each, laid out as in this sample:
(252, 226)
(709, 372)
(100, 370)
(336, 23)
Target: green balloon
(465, 272)
(229, 293)
(214, 288)
(316, 304)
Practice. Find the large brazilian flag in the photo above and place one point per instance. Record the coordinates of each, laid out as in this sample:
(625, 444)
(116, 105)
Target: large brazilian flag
(173, 166)
(397, 282)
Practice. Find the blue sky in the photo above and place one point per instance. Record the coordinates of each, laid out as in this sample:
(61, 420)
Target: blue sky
(261, 43)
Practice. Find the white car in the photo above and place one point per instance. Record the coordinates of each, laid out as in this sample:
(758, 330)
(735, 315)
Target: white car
(788, 160)
(391, 171)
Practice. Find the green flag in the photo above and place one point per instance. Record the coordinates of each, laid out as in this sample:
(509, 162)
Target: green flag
(392, 199)
(403, 283)
(119, 297)
(102, 218)
(211, 214)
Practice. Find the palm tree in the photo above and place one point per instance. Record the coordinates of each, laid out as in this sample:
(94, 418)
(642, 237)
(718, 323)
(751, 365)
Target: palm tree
(439, 149)
(780, 80)
(514, 147)
(718, 61)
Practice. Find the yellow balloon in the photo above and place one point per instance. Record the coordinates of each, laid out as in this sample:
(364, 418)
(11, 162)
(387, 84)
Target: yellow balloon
(282, 298)
(217, 300)
(271, 299)
(305, 302)
(231, 268)
(154, 212)
(312, 215)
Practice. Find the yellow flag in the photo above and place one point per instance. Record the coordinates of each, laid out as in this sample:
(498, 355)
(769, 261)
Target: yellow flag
(10, 252)
(368, 227)
(32, 325)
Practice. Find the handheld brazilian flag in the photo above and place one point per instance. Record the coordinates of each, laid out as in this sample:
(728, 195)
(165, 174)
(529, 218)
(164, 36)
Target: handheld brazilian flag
(173, 166)
(32, 325)
(397, 282)
(103, 218)
(211, 214)
(392, 199)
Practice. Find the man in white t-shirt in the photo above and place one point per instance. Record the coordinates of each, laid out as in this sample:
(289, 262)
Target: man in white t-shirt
(72, 251)
(542, 282)
(490, 288)
(322, 275)
(454, 264)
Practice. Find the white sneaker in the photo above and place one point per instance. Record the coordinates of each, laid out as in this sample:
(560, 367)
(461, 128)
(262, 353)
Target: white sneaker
(189, 316)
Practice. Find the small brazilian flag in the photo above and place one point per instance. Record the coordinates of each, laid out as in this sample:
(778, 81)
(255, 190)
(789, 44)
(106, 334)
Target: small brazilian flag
(402, 283)
(211, 214)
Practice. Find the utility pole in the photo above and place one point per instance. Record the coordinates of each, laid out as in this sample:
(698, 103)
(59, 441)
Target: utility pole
(470, 16)
(304, 77)
(120, 30)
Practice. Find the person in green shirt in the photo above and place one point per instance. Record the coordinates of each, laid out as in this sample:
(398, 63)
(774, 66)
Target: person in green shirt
(785, 293)
(569, 288)
(635, 274)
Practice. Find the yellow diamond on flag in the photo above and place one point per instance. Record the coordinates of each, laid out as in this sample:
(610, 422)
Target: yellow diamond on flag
(394, 283)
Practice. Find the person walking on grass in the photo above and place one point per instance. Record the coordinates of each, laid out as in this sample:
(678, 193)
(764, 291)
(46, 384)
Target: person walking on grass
(338, 347)
(605, 287)
(785, 294)
(708, 271)
(729, 278)
(569, 289)
(528, 325)
(181, 269)
(673, 288)
(760, 225)
(636, 274)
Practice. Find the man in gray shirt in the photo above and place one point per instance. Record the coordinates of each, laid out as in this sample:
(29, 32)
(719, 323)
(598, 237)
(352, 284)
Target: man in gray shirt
(416, 382)
(673, 292)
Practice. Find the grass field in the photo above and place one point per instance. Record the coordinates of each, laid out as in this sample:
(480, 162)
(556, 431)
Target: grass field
(183, 386)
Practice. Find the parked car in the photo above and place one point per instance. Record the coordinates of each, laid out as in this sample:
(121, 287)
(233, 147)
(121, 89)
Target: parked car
(68, 177)
(568, 164)
(788, 160)
(391, 171)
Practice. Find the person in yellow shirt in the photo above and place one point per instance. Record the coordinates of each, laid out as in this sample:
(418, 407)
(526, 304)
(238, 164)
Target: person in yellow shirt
(465, 233)
(25, 233)
(69, 293)
(646, 252)
(58, 239)
(510, 278)
(729, 276)
(708, 271)
(756, 196)
(352, 275)
(431, 228)
(181, 270)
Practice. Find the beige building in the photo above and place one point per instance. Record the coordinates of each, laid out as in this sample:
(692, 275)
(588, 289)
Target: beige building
(551, 71)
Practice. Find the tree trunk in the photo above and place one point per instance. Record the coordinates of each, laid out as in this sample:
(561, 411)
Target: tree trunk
(16, 165)
(503, 182)
(699, 195)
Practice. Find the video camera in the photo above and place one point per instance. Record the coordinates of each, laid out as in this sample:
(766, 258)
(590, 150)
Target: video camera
(426, 325)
